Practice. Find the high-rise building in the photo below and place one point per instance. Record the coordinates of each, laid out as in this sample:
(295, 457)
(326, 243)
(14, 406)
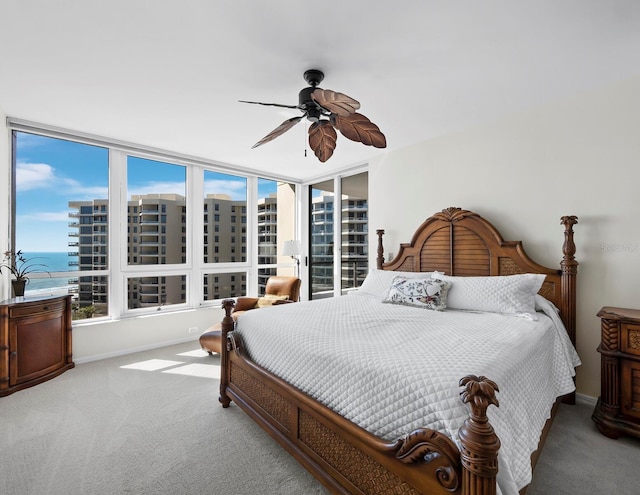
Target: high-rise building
(352, 221)
(156, 235)
(225, 241)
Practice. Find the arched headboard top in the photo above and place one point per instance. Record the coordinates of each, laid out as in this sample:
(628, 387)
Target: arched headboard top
(461, 243)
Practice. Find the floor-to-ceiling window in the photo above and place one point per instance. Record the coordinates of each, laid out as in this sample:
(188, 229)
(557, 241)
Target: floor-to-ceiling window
(60, 221)
(338, 235)
(224, 240)
(157, 241)
(354, 222)
(127, 230)
(276, 224)
(321, 239)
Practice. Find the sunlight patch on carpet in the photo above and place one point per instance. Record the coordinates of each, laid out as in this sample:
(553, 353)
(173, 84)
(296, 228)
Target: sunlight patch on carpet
(201, 370)
(151, 365)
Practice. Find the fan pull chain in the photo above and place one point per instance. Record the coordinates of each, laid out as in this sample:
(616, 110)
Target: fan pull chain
(305, 138)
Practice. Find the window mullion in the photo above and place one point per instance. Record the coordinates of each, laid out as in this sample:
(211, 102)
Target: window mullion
(195, 232)
(252, 234)
(117, 235)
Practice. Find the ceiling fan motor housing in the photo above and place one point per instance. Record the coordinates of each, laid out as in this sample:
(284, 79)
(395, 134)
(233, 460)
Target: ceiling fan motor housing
(307, 105)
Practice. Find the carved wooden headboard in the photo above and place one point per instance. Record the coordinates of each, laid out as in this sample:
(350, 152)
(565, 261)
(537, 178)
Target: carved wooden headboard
(462, 243)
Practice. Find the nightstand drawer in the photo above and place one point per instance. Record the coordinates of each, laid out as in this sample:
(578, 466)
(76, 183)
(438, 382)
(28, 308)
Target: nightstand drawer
(36, 308)
(630, 388)
(630, 338)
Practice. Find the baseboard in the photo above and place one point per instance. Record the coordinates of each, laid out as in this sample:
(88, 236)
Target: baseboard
(124, 352)
(586, 398)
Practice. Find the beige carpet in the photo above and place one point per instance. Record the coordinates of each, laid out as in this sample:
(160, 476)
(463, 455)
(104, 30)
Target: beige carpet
(150, 423)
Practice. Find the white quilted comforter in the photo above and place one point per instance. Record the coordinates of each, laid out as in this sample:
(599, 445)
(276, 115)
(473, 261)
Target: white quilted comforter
(391, 369)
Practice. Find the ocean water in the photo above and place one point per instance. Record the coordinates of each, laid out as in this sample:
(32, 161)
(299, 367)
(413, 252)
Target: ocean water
(54, 262)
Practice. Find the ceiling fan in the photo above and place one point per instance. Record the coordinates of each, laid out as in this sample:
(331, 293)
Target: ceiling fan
(326, 109)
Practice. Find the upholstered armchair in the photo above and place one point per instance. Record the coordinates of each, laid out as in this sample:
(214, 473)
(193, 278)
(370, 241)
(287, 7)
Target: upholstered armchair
(279, 290)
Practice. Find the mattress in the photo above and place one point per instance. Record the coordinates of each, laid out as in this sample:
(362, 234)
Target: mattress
(391, 369)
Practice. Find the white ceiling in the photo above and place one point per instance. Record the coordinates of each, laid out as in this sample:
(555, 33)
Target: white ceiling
(169, 73)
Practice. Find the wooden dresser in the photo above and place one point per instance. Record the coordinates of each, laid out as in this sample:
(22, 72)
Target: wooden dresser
(618, 409)
(35, 341)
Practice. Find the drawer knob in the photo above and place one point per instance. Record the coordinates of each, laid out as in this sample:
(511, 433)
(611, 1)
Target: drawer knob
(45, 308)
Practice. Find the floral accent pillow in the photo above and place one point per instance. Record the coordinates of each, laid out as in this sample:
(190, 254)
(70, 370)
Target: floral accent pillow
(427, 293)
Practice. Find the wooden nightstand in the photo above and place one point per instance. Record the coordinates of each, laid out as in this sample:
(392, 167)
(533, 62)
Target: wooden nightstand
(35, 341)
(618, 409)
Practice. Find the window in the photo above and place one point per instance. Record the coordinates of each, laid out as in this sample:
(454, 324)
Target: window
(354, 252)
(344, 224)
(148, 242)
(276, 223)
(157, 190)
(321, 245)
(223, 192)
(60, 199)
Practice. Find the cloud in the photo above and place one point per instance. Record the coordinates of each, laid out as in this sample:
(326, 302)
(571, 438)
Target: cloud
(31, 176)
(34, 176)
(237, 189)
(46, 216)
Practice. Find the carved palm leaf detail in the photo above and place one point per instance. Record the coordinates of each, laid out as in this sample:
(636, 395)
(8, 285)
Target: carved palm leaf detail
(453, 214)
(281, 129)
(322, 139)
(335, 102)
(480, 392)
(359, 128)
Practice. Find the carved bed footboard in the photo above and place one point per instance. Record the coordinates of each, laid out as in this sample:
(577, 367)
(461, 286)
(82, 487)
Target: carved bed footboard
(348, 459)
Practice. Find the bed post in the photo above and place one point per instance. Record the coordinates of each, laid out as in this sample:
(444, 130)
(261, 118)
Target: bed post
(569, 270)
(569, 267)
(380, 258)
(227, 326)
(479, 442)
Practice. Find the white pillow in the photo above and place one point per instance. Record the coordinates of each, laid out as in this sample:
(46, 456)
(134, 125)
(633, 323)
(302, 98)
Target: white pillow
(511, 294)
(426, 293)
(377, 282)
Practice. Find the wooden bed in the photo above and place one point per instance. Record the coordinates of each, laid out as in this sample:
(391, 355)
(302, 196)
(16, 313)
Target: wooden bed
(348, 459)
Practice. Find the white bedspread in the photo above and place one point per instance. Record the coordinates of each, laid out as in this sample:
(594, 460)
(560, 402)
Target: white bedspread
(391, 369)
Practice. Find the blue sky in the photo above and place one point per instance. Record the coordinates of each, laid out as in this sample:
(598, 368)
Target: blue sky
(51, 172)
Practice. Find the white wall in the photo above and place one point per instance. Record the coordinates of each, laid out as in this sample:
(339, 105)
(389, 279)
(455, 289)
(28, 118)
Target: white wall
(106, 339)
(578, 156)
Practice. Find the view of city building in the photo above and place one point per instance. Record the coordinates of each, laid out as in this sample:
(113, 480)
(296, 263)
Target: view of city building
(155, 251)
(352, 221)
(156, 235)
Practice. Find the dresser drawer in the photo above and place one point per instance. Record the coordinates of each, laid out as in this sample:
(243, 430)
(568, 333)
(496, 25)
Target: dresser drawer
(36, 308)
(630, 338)
(630, 388)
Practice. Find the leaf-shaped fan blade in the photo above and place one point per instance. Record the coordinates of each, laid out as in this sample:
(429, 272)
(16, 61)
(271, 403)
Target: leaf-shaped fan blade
(322, 139)
(281, 129)
(359, 128)
(268, 104)
(335, 102)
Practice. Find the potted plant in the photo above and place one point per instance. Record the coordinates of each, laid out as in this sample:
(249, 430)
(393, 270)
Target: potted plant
(20, 267)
